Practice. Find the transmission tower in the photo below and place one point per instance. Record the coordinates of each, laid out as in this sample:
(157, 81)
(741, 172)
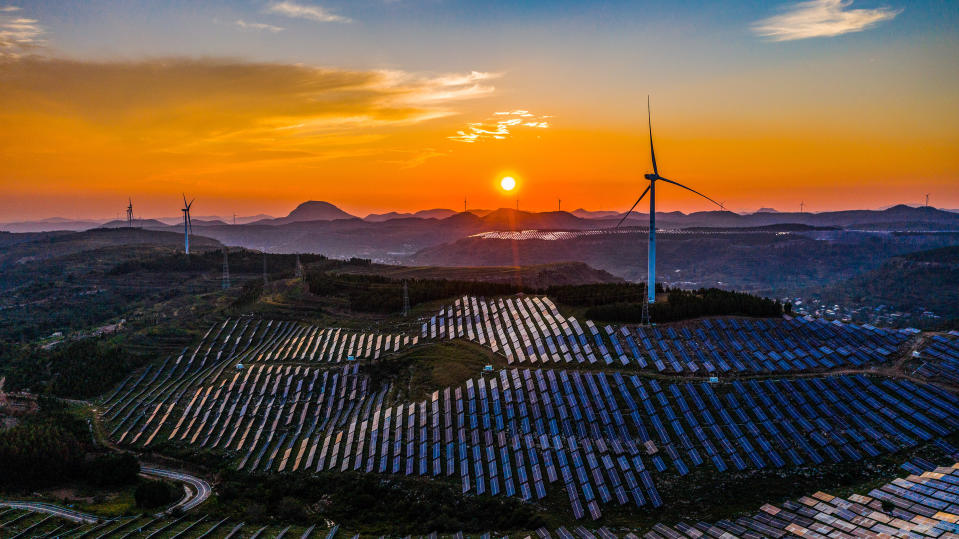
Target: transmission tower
(226, 271)
(266, 279)
(299, 268)
(406, 299)
(644, 318)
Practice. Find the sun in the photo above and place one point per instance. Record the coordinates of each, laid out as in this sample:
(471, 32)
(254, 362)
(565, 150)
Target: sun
(507, 183)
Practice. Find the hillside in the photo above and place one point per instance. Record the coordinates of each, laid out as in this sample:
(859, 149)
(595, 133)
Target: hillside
(924, 280)
(539, 276)
(761, 261)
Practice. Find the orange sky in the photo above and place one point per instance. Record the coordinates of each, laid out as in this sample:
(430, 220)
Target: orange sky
(860, 130)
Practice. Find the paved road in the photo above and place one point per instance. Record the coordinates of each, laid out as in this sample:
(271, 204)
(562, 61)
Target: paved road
(62, 512)
(201, 489)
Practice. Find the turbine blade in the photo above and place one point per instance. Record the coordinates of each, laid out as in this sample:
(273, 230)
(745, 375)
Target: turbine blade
(184, 199)
(652, 153)
(693, 190)
(634, 207)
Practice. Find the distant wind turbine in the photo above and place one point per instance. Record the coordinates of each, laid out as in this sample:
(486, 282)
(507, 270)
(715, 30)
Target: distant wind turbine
(651, 189)
(187, 223)
(130, 212)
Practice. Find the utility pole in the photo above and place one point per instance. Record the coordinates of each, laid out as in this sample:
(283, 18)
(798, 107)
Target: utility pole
(801, 206)
(406, 299)
(517, 204)
(299, 268)
(464, 205)
(927, 200)
(266, 279)
(226, 270)
(559, 204)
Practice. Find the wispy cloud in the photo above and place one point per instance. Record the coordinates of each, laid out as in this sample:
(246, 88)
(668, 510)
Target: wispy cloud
(18, 34)
(821, 18)
(305, 11)
(500, 126)
(258, 26)
(213, 115)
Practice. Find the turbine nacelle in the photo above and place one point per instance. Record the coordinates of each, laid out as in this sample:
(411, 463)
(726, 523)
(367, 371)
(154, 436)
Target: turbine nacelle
(652, 177)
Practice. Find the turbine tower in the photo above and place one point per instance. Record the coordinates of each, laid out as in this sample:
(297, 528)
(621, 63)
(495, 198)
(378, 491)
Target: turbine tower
(130, 212)
(187, 224)
(651, 189)
(226, 270)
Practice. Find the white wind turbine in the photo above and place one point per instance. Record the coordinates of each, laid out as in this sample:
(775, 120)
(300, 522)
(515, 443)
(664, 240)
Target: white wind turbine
(651, 189)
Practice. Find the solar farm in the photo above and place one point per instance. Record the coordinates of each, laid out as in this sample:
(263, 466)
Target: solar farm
(925, 503)
(940, 357)
(596, 416)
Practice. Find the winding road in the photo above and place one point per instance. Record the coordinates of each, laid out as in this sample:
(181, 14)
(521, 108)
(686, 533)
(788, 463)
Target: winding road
(201, 490)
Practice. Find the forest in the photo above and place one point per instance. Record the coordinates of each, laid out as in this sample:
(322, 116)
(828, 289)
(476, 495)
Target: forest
(54, 445)
(381, 505)
(78, 369)
(609, 302)
(687, 304)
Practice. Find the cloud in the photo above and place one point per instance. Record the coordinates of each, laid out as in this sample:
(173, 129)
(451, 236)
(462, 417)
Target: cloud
(18, 34)
(501, 126)
(821, 18)
(257, 26)
(305, 11)
(210, 115)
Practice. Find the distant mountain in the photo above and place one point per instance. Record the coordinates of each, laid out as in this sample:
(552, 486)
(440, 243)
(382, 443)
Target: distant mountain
(602, 214)
(49, 224)
(436, 213)
(381, 217)
(510, 219)
(313, 210)
(137, 223)
(767, 210)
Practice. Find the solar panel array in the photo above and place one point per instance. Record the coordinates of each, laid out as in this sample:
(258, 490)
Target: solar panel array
(22, 523)
(297, 405)
(600, 435)
(532, 330)
(940, 357)
(925, 504)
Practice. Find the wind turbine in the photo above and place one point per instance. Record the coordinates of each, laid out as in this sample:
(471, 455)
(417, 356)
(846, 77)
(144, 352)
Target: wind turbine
(187, 224)
(130, 212)
(651, 189)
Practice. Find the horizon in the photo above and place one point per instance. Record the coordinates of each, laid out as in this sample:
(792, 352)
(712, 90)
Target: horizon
(263, 215)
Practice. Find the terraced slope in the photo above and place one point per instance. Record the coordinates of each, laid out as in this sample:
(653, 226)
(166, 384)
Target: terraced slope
(281, 396)
(532, 330)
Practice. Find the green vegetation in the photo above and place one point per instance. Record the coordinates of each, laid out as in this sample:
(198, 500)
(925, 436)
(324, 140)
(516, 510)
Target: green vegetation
(368, 503)
(79, 369)
(430, 367)
(376, 294)
(152, 494)
(924, 280)
(686, 304)
(54, 445)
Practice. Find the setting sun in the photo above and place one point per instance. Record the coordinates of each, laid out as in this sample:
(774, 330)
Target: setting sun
(507, 183)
